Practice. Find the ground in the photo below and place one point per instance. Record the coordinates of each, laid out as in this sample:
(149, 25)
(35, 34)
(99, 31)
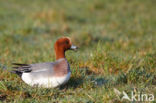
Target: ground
(117, 49)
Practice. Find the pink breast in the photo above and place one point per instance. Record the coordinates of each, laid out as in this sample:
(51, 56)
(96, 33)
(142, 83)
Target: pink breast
(61, 69)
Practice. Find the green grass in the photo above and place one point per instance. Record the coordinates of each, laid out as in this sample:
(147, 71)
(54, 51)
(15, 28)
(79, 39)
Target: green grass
(116, 40)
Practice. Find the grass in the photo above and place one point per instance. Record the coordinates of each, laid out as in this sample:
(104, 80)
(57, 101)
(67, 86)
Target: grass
(116, 40)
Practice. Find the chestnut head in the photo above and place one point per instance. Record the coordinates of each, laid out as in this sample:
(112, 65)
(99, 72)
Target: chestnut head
(64, 44)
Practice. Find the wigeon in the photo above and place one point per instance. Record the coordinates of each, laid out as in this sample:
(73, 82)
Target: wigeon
(49, 74)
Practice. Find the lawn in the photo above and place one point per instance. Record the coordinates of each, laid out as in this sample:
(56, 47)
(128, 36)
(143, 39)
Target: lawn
(117, 48)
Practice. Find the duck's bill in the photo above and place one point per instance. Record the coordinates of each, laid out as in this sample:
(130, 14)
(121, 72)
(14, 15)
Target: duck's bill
(73, 47)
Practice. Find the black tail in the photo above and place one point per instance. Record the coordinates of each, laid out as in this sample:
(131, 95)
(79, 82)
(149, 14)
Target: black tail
(18, 64)
(19, 69)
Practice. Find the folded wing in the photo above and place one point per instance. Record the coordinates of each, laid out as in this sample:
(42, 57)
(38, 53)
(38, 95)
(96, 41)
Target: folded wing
(26, 68)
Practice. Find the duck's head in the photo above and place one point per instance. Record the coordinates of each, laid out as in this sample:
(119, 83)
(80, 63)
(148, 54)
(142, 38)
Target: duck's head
(63, 44)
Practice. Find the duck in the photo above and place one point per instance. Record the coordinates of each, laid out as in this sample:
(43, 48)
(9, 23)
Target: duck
(48, 74)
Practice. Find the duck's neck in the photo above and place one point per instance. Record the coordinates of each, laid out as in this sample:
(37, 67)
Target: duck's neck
(59, 53)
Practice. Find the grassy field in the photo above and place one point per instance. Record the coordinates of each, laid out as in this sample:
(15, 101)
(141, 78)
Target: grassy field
(117, 40)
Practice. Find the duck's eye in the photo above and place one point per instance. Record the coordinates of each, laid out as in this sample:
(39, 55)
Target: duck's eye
(67, 42)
